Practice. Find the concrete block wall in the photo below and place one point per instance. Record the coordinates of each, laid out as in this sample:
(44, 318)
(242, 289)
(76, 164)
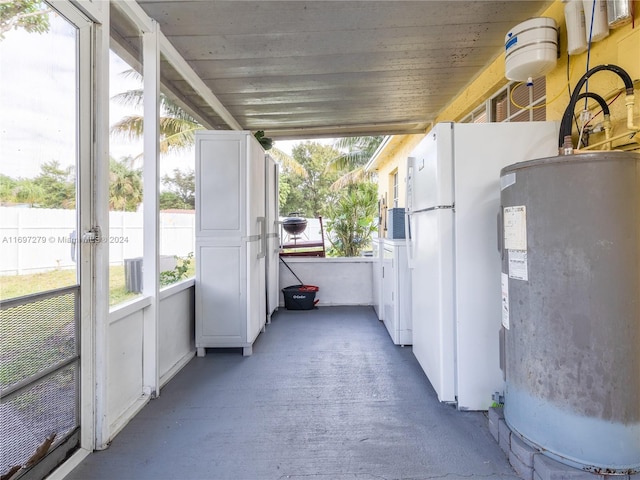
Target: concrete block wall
(342, 280)
(531, 464)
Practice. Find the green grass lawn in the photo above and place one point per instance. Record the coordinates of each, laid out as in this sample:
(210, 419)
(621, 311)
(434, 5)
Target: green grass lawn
(12, 286)
(37, 335)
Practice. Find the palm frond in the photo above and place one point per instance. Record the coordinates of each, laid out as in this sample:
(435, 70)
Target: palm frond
(132, 98)
(177, 134)
(346, 161)
(132, 73)
(130, 127)
(356, 175)
(354, 152)
(170, 109)
(288, 161)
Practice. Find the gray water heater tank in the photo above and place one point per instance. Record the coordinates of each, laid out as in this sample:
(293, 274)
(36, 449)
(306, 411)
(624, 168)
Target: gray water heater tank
(571, 308)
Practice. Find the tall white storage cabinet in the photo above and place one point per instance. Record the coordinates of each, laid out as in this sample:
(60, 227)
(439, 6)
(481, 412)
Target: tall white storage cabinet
(273, 236)
(396, 291)
(230, 240)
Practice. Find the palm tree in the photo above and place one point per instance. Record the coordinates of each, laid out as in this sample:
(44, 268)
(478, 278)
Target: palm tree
(177, 127)
(356, 152)
(125, 186)
(288, 161)
(350, 221)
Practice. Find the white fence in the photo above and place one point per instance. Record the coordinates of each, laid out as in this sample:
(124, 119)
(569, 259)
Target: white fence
(36, 239)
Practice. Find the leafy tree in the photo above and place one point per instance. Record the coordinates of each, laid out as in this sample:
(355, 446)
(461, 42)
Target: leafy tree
(171, 201)
(350, 219)
(7, 187)
(283, 190)
(125, 186)
(57, 184)
(309, 194)
(181, 190)
(54, 187)
(30, 15)
(27, 191)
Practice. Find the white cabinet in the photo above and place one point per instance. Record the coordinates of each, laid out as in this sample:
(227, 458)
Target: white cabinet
(377, 277)
(230, 240)
(273, 237)
(396, 291)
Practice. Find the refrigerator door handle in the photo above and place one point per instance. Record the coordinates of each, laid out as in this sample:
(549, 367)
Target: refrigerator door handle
(409, 240)
(437, 207)
(263, 237)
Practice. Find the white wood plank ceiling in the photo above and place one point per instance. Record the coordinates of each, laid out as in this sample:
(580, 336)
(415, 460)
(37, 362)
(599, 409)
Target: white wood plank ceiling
(302, 69)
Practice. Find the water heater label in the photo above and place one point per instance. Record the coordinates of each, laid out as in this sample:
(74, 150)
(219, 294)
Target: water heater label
(518, 265)
(505, 301)
(515, 228)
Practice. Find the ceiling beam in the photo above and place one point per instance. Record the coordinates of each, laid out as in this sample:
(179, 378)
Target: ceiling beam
(178, 62)
(346, 131)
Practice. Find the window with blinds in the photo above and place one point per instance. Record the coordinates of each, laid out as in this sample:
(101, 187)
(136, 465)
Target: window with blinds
(520, 103)
(515, 103)
(479, 115)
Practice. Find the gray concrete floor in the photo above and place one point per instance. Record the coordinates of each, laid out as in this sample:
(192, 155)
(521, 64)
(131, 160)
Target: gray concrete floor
(326, 395)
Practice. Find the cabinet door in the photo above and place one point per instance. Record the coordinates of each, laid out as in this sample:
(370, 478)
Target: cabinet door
(220, 295)
(256, 290)
(220, 186)
(256, 187)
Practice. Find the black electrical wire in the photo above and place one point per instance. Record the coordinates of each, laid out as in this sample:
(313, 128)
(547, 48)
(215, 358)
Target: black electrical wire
(565, 125)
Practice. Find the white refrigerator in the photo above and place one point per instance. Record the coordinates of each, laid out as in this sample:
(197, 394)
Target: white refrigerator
(453, 198)
(231, 240)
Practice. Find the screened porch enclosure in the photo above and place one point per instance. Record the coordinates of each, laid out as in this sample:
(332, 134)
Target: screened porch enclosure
(79, 366)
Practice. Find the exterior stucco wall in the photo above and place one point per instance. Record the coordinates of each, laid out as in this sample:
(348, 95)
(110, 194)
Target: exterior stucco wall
(395, 157)
(621, 47)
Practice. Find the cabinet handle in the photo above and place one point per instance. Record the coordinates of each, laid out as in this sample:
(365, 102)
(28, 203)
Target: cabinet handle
(263, 237)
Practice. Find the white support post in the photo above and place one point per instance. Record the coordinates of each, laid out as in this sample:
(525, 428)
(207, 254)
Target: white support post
(151, 181)
(95, 337)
